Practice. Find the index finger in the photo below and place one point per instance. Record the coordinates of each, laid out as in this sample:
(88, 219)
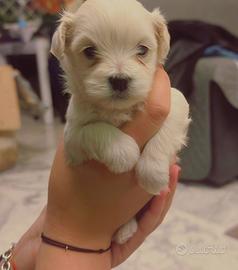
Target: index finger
(146, 123)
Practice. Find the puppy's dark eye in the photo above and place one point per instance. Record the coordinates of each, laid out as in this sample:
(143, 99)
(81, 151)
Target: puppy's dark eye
(90, 52)
(142, 50)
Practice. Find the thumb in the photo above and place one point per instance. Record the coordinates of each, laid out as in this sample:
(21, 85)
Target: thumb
(146, 123)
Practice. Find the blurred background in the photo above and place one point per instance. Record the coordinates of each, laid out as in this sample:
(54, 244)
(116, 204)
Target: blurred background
(201, 229)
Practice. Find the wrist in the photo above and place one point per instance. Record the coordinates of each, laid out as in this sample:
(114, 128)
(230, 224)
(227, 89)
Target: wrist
(76, 234)
(50, 257)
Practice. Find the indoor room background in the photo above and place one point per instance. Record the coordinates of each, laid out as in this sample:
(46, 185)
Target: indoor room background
(201, 229)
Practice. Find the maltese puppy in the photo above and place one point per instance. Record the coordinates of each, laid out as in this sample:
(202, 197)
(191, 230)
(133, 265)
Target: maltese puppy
(109, 51)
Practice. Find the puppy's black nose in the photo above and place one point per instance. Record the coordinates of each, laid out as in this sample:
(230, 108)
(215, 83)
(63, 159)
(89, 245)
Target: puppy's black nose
(119, 84)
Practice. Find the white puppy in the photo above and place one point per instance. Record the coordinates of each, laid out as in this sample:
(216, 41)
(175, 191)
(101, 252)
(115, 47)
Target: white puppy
(109, 50)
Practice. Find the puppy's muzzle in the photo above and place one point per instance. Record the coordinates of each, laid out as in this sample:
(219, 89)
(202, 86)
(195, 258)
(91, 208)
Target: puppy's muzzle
(119, 84)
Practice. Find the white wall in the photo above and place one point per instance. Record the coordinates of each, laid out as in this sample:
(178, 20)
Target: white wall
(221, 12)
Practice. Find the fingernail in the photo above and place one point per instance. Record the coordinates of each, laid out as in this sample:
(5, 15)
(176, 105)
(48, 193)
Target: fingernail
(177, 172)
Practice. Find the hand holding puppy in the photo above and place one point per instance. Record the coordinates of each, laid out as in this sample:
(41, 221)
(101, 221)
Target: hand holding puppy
(88, 203)
(109, 69)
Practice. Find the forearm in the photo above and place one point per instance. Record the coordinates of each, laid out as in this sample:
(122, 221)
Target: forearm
(55, 258)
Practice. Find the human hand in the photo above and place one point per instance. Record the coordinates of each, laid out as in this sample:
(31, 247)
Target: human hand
(86, 196)
(148, 220)
(87, 204)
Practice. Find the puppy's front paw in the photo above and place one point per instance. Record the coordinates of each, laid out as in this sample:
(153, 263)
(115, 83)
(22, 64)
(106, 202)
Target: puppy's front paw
(122, 155)
(152, 176)
(126, 232)
(73, 154)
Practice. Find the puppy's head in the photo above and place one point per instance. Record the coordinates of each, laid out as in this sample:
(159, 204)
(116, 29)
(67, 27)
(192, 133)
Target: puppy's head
(109, 50)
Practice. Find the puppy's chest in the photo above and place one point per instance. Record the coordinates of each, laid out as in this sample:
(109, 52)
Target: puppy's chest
(84, 114)
(114, 117)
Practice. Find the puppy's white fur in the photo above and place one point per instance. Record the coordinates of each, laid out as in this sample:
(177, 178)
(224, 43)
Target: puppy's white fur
(116, 29)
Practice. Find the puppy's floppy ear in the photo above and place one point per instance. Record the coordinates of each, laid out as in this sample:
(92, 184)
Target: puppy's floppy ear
(62, 36)
(162, 35)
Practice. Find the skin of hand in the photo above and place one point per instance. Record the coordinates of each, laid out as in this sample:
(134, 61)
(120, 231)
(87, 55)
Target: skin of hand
(87, 204)
(149, 219)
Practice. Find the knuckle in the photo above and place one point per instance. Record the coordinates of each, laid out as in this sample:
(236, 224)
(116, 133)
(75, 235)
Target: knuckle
(158, 113)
